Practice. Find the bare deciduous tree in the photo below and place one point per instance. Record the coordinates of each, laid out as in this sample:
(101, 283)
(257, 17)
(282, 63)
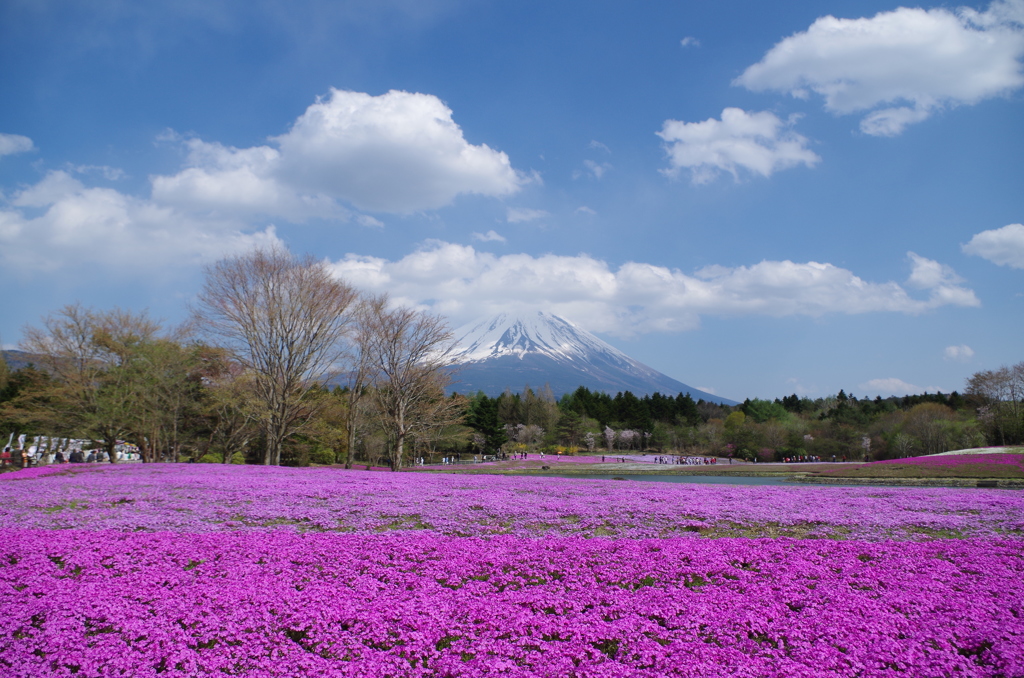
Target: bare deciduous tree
(1001, 395)
(409, 364)
(360, 370)
(285, 319)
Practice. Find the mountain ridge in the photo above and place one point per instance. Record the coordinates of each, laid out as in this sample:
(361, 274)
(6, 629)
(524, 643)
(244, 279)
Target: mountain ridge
(510, 351)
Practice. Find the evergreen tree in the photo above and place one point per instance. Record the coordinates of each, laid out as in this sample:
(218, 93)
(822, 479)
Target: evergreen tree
(483, 417)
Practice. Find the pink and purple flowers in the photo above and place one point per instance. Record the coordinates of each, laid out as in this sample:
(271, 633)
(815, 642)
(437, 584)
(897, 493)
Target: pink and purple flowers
(203, 570)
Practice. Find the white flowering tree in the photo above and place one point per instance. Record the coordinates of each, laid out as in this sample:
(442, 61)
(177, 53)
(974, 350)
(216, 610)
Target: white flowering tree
(609, 437)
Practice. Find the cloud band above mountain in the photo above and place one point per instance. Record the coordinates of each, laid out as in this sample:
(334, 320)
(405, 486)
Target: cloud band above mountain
(459, 281)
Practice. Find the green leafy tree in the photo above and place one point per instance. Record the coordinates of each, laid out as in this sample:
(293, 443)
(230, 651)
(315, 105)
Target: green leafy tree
(94, 391)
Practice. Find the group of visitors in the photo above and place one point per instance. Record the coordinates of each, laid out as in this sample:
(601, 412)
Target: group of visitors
(693, 461)
(11, 457)
(805, 459)
(80, 457)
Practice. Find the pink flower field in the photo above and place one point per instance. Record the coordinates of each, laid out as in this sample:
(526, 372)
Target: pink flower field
(196, 570)
(959, 460)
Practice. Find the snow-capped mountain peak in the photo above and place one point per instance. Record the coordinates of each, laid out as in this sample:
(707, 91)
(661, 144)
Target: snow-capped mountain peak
(510, 351)
(517, 335)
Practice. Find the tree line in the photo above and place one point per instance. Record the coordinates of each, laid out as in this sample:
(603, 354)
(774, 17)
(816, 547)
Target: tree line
(244, 380)
(282, 363)
(990, 412)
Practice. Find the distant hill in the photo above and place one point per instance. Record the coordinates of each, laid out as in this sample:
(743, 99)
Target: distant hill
(18, 359)
(509, 351)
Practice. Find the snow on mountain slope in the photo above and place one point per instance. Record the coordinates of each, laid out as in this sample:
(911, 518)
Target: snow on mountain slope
(543, 333)
(509, 351)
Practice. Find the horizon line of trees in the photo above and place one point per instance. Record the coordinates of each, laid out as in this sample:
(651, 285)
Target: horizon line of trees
(346, 427)
(244, 382)
(791, 427)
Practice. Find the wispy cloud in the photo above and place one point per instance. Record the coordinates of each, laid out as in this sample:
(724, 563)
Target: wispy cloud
(963, 352)
(516, 215)
(489, 236)
(891, 386)
(594, 169)
(690, 41)
(368, 221)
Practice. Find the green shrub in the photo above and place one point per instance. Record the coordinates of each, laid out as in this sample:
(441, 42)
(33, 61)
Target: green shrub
(322, 455)
(236, 458)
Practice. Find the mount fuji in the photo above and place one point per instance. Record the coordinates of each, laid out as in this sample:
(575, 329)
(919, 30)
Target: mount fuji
(509, 351)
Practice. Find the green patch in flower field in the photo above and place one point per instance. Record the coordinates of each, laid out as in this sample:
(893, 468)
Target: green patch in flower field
(932, 533)
(403, 522)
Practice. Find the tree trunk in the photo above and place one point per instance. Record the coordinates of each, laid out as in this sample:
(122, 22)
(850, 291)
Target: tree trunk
(350, 452)
(396, 458)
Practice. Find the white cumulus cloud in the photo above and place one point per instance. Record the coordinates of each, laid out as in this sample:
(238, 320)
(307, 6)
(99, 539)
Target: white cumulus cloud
(942, 282)
(239, 181)
(756, 142)
(899, 66)
(459, 281)
(400, 152)
(14, 143)
(1003, 246)
(962, 352)
(80, 228)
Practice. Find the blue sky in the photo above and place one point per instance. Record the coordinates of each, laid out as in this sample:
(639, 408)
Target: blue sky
(754, 198)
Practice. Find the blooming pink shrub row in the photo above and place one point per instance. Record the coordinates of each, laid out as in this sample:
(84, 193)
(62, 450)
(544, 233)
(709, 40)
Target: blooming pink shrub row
(421, 604)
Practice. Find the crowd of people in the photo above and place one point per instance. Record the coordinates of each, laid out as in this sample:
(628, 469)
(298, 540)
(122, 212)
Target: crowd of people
(806, 459)
(43, 451)
(689, 461)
